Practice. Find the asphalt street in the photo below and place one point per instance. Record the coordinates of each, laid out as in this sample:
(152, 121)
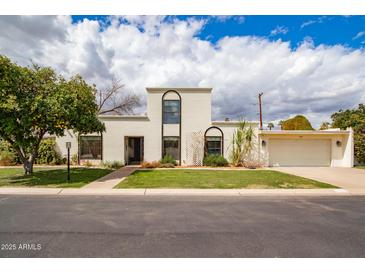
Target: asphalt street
(168, 226)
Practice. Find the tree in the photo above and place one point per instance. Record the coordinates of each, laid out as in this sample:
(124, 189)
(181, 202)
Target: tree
(298, 122)
(270, 125)
(116, 100)
(325, 125)
(35, 100)
(354, 118)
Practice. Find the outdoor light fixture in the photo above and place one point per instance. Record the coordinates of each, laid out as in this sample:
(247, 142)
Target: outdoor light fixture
(263, 143)
(68, 146)
(339, 143)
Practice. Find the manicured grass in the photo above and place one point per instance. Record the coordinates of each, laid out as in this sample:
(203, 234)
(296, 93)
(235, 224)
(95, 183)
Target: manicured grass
(362, 167)
(50, 177)
(217, 179)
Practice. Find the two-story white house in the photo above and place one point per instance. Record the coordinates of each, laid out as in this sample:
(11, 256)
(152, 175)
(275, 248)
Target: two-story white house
(178, 123)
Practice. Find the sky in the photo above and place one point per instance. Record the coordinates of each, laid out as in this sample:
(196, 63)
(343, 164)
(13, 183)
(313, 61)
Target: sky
(309, 65)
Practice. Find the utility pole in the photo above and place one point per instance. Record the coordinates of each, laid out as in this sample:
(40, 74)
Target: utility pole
(260, 94)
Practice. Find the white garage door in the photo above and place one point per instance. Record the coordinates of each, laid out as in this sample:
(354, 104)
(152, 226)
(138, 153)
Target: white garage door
(285, 152)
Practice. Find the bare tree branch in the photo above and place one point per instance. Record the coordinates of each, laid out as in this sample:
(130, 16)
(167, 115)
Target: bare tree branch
(117, 100)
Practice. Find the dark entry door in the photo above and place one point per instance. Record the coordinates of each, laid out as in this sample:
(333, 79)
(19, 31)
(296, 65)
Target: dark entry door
(134, 150)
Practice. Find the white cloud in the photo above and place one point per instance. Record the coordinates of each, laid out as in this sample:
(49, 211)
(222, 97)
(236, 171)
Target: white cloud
(279, 30)
(359, 35)
(150, 51)
(224, 18)
(319, 20)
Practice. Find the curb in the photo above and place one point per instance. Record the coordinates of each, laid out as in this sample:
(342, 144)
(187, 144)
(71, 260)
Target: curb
(178, 192)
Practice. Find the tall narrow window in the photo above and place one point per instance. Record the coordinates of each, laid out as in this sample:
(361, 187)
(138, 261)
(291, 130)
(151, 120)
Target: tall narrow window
(213, 145)
(171, 111)
(90, 147)
(171, 147)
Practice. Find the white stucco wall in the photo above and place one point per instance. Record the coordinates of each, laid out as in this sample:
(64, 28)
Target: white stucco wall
(340, 156)
(195, 117)
(70, 136)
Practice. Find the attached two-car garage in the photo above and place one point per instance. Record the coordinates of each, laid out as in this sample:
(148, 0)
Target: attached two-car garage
(299, 152)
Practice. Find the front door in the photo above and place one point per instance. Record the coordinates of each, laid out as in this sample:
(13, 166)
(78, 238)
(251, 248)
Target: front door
(134, 150)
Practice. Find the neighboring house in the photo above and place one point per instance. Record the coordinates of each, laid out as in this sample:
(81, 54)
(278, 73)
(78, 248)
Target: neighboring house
(178, 122)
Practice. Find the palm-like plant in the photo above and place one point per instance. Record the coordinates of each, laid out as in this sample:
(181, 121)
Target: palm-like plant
(242, 143)
(270, 125)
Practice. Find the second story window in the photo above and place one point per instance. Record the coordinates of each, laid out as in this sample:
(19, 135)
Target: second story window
(171, 111)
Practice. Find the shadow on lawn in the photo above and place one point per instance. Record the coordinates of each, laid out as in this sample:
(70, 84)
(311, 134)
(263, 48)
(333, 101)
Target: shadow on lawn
(58, 177)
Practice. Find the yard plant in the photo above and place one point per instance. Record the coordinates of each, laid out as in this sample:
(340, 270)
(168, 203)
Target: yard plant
(354, 118)
(36, 100)
(242, 145)
(215, 160)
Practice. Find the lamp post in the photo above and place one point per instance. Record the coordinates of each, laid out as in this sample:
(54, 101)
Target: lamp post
(68, 146)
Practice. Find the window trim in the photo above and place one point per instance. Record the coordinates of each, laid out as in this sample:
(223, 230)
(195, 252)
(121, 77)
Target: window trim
(205, 139)
(79, 147)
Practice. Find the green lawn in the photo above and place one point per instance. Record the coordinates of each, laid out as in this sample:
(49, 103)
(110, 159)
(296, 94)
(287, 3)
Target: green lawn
(362, 167)
(50, 177)
(217, 179)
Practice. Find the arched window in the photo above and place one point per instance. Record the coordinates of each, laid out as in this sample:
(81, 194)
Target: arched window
(171, 115)
(213, 141)
(171, 107)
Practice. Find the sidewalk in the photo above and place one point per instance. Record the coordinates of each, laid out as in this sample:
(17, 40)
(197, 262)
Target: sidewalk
(178, 192)
(112, 179)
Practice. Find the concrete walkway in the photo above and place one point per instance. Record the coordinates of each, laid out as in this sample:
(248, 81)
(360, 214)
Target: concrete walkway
(112, 179)
(351, 179)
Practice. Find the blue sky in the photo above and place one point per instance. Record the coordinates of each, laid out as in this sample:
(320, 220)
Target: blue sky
(309, 65)
(328, 30)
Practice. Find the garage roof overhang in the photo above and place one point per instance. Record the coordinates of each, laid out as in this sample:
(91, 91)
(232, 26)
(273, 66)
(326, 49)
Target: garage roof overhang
(303, 132)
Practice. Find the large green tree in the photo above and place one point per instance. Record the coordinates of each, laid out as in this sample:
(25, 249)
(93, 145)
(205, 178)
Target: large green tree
(354, 118)
(35, 101)
(298, 122)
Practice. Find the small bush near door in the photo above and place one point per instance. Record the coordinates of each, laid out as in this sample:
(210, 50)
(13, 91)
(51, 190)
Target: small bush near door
(168, 159)
(112, 164)
(154, 164)
(158, 164)
(214, 160)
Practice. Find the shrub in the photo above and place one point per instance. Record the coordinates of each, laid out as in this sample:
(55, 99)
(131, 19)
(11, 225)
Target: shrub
(168, 159)
(87, 163)
(74, 159)
(168, 165)
(252, 164)
(6, 147)
(112, 164)
(153, 164)
(48, 154)
(214, 160)
(7, 158)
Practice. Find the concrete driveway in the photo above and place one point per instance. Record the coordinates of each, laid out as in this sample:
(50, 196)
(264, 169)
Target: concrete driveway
(351, 179)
